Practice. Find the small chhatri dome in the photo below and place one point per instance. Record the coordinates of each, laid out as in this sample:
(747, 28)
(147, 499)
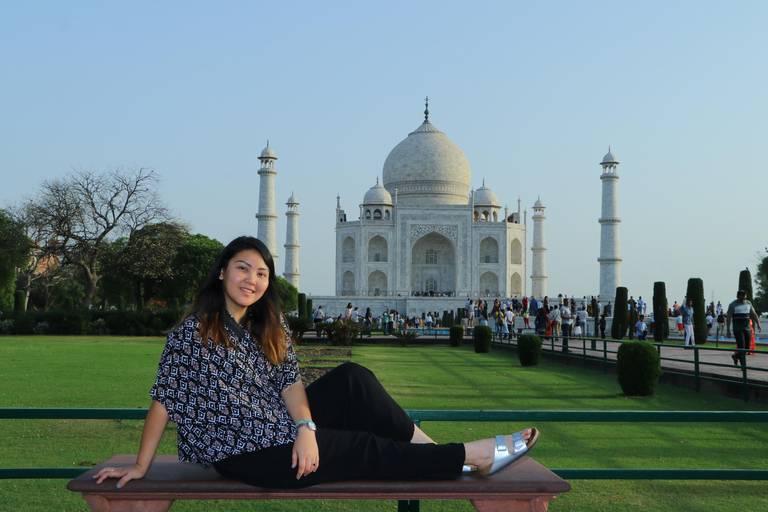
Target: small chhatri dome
(609, 158)
(377, 195)
(485, 197)
(292, 199)
(268, 153)
(538, 204)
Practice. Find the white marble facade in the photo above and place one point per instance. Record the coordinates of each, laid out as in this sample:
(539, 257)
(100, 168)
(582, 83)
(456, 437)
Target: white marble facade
(424, 241)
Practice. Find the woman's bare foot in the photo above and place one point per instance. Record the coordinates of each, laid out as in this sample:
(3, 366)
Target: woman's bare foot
(481, 453)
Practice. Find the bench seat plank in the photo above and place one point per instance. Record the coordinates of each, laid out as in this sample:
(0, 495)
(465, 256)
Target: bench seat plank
(525, 481)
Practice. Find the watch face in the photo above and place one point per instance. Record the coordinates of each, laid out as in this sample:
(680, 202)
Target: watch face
(309, 424)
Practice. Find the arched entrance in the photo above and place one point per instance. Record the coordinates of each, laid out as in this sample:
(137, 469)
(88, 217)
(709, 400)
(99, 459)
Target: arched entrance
(433, 265)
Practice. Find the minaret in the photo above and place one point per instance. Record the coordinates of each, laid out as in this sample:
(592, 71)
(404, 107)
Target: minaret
(539, 263)
(266, 215)
(610, 262)
(291, 273)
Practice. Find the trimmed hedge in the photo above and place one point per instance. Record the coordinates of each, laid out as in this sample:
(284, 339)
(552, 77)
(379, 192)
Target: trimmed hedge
(638, 368)
(696, 295)
(660, 312)
(745, 283)
(529, 349)
(482, 336)
(457, 335)
(620, 317)
(93, 321)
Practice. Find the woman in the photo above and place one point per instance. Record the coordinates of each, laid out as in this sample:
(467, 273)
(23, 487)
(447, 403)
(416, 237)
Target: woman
(229, 378)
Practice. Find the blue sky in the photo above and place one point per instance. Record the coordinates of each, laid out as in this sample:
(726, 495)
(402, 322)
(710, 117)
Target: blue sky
(533, 92)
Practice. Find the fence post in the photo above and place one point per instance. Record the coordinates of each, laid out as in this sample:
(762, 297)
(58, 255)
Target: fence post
(743, 357)
(696, 368)
(605, 356)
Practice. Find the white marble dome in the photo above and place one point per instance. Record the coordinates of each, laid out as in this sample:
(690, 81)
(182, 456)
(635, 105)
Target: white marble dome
(268, 153)
(538, 204)
(377, 195)
(292, 200)
(609, 158)
(427, 168)
(485, 197)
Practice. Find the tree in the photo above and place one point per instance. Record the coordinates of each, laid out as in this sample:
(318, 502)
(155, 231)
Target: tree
(85, 212)
(745, 283)
(660, 312)
(191, 264)
(695, 294)
(289, 295)
(620, 316)
(14, 253)
(761, 278)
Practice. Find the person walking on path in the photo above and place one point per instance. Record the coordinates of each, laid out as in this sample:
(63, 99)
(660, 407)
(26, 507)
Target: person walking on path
(687, 312)
(741, 312)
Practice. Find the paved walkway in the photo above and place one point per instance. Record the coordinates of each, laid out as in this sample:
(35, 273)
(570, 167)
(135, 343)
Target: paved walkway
(712, 360)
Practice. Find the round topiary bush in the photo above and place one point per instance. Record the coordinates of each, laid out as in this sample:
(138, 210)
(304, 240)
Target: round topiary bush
(457, 335)
(529, 349)
(482, 336)
(638, 367)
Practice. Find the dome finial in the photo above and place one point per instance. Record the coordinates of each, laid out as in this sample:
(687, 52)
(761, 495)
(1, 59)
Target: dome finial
(377, 180)
(426, 110)
(267, 142)
(483, 181)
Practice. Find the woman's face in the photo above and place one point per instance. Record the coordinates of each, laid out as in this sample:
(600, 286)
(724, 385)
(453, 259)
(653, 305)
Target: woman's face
(244, 281)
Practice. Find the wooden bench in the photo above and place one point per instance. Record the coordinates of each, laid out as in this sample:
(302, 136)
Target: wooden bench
(525, 486)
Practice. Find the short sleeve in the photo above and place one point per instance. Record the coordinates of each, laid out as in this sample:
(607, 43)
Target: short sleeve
(287, 373)
(179, 374)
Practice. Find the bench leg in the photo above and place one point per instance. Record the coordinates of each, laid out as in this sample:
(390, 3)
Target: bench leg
(98, 503)
(537, 504)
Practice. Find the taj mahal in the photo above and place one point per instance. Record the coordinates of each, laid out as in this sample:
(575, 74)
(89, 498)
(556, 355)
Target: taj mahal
(424, 241)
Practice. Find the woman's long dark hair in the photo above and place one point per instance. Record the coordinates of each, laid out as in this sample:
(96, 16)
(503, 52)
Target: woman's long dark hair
(262, 318)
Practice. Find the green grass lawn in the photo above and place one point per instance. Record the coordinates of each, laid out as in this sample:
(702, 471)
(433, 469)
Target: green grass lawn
(118, 372)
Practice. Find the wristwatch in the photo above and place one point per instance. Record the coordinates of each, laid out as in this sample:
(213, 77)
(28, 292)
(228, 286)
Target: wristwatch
(307, 423)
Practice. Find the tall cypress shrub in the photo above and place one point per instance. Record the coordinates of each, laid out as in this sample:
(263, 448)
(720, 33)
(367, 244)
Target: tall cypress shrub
(745, 283)
(696, 295)
(310, 309)
(302, 297)
(660, 312)
(620, 319)
(596, 316)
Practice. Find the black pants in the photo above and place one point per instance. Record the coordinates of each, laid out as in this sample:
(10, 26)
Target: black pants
(743, 340)
(362, 434)
(566, 332)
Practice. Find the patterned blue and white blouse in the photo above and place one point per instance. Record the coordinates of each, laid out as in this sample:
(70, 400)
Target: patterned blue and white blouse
(225, 401)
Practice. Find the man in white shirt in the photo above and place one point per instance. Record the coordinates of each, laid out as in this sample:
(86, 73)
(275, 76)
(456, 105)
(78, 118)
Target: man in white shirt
(509, 316)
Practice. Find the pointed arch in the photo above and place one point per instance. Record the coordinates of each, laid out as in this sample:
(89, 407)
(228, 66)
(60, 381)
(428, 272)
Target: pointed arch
(516, 285)
(433, 256)
(516, 252)
(348, 250)
(377, 283)
(377, 249)
(489, 250)
(489, 284)
(348, 283)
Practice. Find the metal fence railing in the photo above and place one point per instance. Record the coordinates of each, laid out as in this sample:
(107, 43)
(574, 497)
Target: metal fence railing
(431, 415)
(605, 351)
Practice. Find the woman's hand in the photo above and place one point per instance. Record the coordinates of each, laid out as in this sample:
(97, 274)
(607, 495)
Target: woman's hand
(305, 453)
(124, 474)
